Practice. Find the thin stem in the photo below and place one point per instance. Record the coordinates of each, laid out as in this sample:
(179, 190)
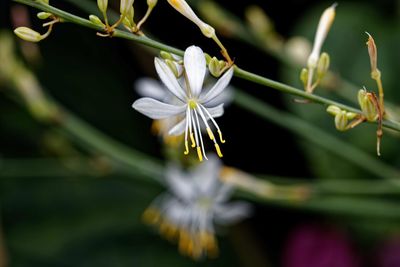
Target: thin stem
(140, 23)
(238, 71)
(381, 94)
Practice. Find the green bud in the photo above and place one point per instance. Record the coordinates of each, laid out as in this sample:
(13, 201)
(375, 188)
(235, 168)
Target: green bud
(214, 68)
(333, 110)
(96, 20)
(44, 15)
(151, 3)
(341, 121)
(128, 19)
(208, 58)
(304, 76)
(172, 66)
(351, 115)
(102, 4)
(207, 30)
(166, 55)
(367, 105)
(28, 34)
(125, 6)
(323, 65)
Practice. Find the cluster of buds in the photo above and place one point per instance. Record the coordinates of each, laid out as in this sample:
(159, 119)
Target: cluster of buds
(317, 63)
(372, 106)
(30, 35)
(126, 17)
(215, 66)
(174, 62)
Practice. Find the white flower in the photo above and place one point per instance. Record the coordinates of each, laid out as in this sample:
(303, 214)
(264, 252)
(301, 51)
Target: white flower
(194, 104)
(196, 201)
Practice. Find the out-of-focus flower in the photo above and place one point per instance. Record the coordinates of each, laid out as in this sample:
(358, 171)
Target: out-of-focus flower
(319, 246)
(389, 253)
(194, 103)
(195, 202)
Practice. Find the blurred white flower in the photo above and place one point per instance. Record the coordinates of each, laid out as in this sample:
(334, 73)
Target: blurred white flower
(192, 101)
(196, 201)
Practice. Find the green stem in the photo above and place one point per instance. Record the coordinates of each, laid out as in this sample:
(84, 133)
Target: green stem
(238, 71)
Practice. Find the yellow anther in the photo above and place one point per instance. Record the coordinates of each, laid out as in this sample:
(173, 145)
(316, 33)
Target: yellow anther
(192, 139)
(218, 150)
(199, 153)
(210, 133)
(220, 137)
(186, 148)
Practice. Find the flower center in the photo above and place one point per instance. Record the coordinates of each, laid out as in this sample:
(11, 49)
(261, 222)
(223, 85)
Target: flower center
(192, 104)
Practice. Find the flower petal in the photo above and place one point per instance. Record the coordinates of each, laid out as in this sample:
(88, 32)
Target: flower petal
(225, 97)
(178, 129)
(155, 109)
(148, 87)
(217, 111)
(206, 175)
(169, 79)
(217, 89)
(232, 212)
(179, 184)
(195, 66)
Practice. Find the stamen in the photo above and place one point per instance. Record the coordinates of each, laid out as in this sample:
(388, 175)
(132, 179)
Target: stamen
(218, 150)
(210, 133)
(186, 147)
(200, 136)
(192, 139)
(220, 137)
(199, 154)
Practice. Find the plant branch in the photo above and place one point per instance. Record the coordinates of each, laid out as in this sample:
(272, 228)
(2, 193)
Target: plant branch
(67, 17)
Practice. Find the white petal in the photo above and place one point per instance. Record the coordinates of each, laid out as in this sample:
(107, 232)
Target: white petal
(225, 97)
(148, 87)
(217, 89)
(217, 111)
(206, 176)
(232, 212)
(195, 66)
(179, 183)
(169, 79)
(156, 109)
(178, 129)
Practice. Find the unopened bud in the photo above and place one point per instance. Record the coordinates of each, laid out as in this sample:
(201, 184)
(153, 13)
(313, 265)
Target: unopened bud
(28, 34)
(341, 121)
(151, 3)
(182, 7)
(44, 15)
(333, 110)
(172, 65)
(102, 4)
(324, 26)
(125, 6)
(373, 57)
(166, 55)
(323, 65)
(304, 77)
(128, 19)
(96, 20)
(208, 58)
(367, 105)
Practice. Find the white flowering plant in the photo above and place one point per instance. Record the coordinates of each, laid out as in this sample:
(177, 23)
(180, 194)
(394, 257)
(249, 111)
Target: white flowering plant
(189, 94)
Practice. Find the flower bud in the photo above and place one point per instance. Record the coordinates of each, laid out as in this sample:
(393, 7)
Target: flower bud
(102, 4)
(182, 7)
(323, 65)
(304, 77)
(44, 15)
(96, 20)
(166, 55)
(125, 6)
(341, 121)
(172, 65)
(367, 105)
(151, 3)
(333, 110)
(28, 34)
(128, 19)
(324, 26)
